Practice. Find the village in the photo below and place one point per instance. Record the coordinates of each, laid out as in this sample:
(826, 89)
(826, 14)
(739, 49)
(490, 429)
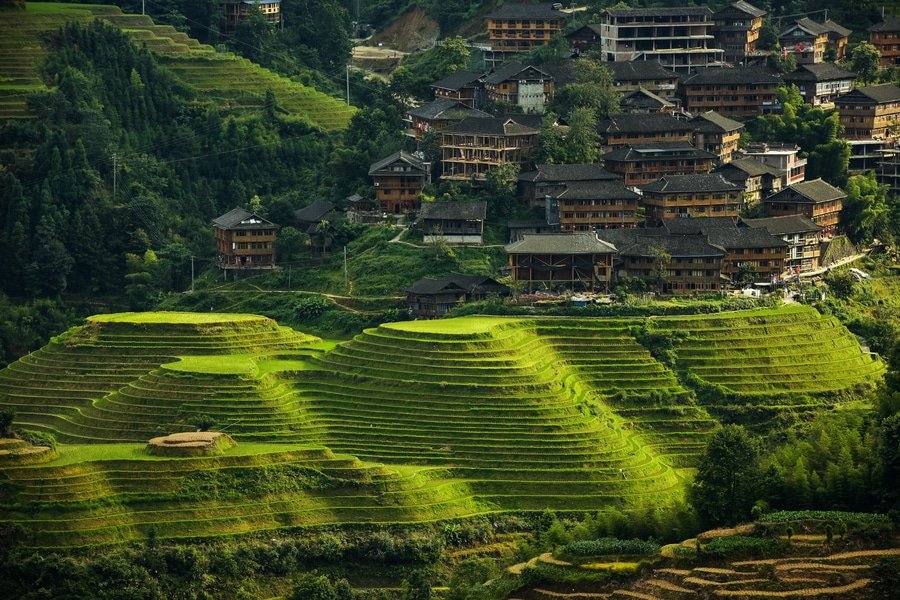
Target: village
(680, 200)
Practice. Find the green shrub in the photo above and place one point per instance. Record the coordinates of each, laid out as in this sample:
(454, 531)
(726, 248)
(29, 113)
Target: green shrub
(834, 516)
(38, 438)
(7, 415)
(611, 545)
(741, 546)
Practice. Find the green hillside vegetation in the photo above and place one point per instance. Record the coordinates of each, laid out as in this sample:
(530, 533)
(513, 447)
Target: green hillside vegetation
(233, 82)
(408, 422)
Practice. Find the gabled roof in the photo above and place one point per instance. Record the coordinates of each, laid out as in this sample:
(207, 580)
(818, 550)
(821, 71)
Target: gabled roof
(892, 24)
(881, 94)
(788, 224)
(239, 218)
(712, 122)
(698, 224)
(444, 108)
(644, 97)
(594, 27)
(741, 7)
(564, 173)
(457, 80)
(457, 282)
(652, 151)
(643, 242)
(513, 70)
(639, 70)
(521, 10)
(733, 76)
(490, 126)
(836, 28)
(649, 123)
(812, 191)
(824, 71)
(561, 72)
(597, 190)
(455, 211)
(751, 167)
(649, 12)
(806, 24)
(704, 182)
(743, 237)
(560, 243)
(314, 213)
(378, 168)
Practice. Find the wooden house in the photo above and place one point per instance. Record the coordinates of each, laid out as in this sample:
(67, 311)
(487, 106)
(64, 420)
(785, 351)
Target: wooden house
(308, 218)
(838, 38)
(646, 74)
(245, 240)
(398, 180)
(551, 180)
(871, 112)
(805, 40)
(528, 87)
(437, 115)
(739, 92)
(632, 129)
(784, 157)
(518, 27)
(641, 164)
(561, 261)
(820, 83)
(465, 87)
(589, 205)
(737, 28)
(585, 39)
(801, 235)
(885, 36)
(431, 298)
(700, 195)
(235, 11)
(472, 147)
(519, 228)
(716, 134)
(756, 178)
(460, 222)
(641, 101)
(816, 199)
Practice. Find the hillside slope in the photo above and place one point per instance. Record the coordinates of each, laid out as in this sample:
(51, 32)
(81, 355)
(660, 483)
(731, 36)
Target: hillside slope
(233, 82)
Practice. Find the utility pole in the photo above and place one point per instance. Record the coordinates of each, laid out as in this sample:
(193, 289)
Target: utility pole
(192, 273)
(115, 158)
(142, 6)
(346, 277)
(348, 84)
(289, 275)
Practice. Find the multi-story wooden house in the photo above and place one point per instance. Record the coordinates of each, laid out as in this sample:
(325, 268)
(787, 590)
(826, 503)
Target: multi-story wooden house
(716, 134)
(585, 39)
(436, 115)
(782, 156)
(463, 86)
(737, 30)
(821, 83)
(472, 147)
(816, 199)
(646, 74)
(631, 129)
(680, 38)
(556, 261)
(801, 236)
(245, 240)
(453, 222)
(645, 163)
(756, 178)
(517, 27)
(702, 195)
(838, 38)
(551, 180)
(432, 298)
(398, 180)
(235, 11)
(642, 101)
(885, 36)
(738, 92)
(589, 205)
(871, 112)
(528, 87)
(805, 40)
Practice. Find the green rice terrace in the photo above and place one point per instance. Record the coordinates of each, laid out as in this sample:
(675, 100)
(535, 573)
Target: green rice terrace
(233, 82)
(407, 422)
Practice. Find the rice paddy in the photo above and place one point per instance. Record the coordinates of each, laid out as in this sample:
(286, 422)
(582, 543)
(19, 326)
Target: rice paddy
(407, 422)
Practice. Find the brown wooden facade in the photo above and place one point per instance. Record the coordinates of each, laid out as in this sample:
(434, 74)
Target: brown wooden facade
(472, 147)
(885, 36)
(871, 112)
(817, 200)
(601, 205)
(739, 92)
(805, 40)
(737, 30)
(555, 261)
(801, 235)
(704, 195)
(245, 240)
(632, 129)
(643, 164)
(398, 181)
(518, 27)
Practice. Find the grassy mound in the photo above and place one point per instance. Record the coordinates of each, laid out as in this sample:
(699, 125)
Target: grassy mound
(431, 420)
(201, 443)
(233, 82)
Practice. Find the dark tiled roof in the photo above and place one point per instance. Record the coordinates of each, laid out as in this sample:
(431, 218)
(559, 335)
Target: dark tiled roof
(233, 219)
(597, 190)
(751, 167)
(698, 224)
(516, 10)
(561, 72)
(808, 25)
(403, 156)
(314, 213)
(512, 70)
(458, 211)
(649, 123)
(706, 182)
(490, 126)
(639, 70)
(457, 282)
(652, 151)
(886, 25)
(642, 242)
(815, 190)
(560, 243)
(713, 122)
(581, 172)
(833, 27)
(733, 76)
(458, 80)
(784, 225)
(885, 92)
(743, 237)
(819, 72)
(444, 108)
(595, 27)
(742, 7)
(643, 97)
(649, 12)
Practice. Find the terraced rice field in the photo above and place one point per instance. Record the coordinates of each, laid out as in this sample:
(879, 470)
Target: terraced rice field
(233, 82)
(406, 422)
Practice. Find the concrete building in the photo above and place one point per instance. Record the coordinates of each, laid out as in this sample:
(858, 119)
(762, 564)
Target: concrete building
(784, 157)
